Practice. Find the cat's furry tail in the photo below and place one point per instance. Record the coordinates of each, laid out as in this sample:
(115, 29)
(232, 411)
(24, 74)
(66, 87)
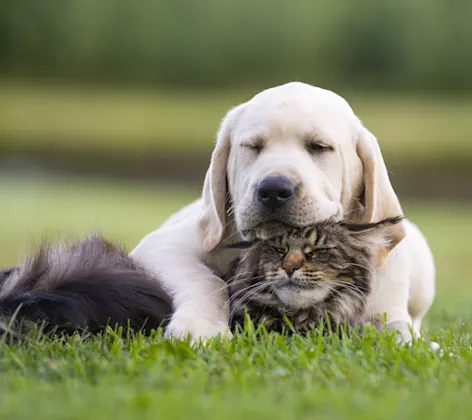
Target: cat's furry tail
(85, 285)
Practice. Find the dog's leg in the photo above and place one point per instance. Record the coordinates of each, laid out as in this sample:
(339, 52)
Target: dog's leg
(404, 286)
(200, 298)
(391, 292)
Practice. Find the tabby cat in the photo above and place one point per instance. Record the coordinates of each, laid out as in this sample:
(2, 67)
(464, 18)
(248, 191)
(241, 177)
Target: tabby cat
(322, 272)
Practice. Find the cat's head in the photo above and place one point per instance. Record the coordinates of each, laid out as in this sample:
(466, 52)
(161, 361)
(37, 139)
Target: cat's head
(305, 266)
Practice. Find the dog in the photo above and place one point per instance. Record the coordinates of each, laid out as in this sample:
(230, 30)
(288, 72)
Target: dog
(293, 155)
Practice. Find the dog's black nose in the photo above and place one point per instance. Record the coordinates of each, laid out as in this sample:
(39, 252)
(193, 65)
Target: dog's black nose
(274, 191)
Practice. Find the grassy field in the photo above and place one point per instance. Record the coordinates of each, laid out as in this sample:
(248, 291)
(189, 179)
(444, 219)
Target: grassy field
(39, 119)
(263, 377)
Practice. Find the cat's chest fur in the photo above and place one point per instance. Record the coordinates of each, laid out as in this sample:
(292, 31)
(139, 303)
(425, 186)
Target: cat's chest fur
(279, 318)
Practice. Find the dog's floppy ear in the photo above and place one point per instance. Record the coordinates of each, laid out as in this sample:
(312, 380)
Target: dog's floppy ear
(212, 219)
(379, 199)
(376, 235)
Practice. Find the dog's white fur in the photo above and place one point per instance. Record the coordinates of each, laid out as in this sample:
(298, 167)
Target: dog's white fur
(348, 180)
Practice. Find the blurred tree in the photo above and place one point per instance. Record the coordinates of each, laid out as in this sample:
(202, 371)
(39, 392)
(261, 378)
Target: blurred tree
(397, 44)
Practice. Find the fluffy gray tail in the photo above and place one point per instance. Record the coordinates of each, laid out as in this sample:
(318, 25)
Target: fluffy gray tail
(86, 285)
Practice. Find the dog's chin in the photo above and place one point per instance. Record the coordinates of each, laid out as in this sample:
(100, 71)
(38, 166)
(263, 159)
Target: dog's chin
(267, 230)
(257, 222)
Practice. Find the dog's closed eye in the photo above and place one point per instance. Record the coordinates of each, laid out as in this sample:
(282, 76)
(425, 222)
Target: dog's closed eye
(255, 144)
(316, 147)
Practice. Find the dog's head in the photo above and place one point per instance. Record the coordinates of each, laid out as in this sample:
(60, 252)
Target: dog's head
(295, 155)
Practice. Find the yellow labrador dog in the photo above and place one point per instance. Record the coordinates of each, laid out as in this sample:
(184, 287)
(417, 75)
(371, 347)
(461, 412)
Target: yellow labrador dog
(292, 155)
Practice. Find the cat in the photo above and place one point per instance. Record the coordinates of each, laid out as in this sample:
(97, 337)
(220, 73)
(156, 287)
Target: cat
(320, 273)
(85, 285)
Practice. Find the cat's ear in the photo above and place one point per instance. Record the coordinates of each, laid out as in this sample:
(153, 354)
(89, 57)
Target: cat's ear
(240, 245)
(377, 235)
(377, 226)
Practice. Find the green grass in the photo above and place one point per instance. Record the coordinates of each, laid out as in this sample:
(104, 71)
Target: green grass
(265, 378)
(38, 119)
(273, 377)
(33, 210)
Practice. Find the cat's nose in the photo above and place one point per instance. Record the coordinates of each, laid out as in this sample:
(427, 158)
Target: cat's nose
(290, 268)
(292, 261)
(274, 191)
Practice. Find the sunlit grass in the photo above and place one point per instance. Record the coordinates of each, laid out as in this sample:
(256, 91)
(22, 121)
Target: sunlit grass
(254, 376)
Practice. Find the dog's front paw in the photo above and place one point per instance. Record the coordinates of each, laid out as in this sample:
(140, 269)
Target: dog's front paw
(187, 323)
(402, 330)
(405, 336)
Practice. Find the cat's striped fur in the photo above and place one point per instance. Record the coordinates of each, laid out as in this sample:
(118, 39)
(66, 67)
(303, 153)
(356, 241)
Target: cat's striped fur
(319, 273)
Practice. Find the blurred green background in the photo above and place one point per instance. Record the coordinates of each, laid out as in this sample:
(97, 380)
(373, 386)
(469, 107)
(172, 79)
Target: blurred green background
(108, 109)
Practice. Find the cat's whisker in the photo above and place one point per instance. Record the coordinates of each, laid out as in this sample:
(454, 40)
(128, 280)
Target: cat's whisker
(231, 282)
(238, 301)
(241, 294)
(247, 297)
(188, 304)
(224, 287)
(243, 274)
(337, 316)
(235, 294)
(354, 290)
(352, 264)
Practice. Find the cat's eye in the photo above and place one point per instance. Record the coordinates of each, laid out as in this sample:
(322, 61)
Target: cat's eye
(278, 249)
(308, 252)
